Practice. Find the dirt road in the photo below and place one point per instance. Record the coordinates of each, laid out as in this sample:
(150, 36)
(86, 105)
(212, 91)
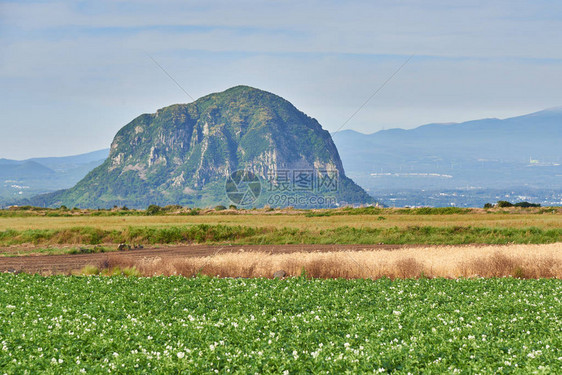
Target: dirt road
(67, 263)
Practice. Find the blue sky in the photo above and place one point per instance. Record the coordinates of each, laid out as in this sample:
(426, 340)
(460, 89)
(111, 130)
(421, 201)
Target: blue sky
(72, 73)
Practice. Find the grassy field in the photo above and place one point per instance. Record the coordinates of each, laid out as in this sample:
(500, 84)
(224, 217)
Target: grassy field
(387, 219)
(56, 229)
(206, 325)
(224, 234)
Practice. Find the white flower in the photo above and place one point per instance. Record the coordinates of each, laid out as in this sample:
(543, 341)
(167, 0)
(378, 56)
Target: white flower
(181, 355)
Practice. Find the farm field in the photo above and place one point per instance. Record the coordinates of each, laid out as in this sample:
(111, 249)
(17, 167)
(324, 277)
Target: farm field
(387, 291)
(55, 231)
(382, 218)
(174, 324)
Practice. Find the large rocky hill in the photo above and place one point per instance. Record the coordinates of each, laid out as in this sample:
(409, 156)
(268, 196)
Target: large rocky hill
(184, 154)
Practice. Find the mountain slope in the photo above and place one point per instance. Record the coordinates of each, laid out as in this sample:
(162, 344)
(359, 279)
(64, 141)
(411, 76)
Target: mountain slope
(182, 154)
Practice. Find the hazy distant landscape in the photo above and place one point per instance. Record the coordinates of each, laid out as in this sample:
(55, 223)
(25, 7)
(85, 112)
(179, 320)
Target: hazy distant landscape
(465, 164)
(27, 178)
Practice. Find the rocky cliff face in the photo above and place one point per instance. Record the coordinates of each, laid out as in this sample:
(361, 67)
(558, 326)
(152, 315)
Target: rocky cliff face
(182, 154)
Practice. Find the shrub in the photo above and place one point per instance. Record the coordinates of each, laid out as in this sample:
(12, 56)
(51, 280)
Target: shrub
(220, 208)
(131, 272)
(526, 204)
(90, 270)
(153, 210)
(488, 205)
(503, 204)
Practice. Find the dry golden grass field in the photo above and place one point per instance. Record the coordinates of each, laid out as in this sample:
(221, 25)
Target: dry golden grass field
(318, 261)
(524, 261)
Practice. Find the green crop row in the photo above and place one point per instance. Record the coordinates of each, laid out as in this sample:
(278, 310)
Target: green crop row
(163, 325)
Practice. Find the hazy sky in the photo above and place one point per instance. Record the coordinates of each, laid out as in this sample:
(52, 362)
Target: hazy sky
(72, 73)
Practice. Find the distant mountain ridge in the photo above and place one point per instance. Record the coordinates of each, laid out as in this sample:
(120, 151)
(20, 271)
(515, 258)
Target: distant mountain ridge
(26, 178)
(523, 151)
(183, 154)
(63, 163)
(504, 139)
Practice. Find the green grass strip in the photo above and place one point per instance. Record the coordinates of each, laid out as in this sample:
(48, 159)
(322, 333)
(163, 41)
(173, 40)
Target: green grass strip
(210, 234)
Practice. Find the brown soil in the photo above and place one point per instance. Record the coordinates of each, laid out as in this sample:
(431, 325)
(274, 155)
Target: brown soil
(68, 263)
